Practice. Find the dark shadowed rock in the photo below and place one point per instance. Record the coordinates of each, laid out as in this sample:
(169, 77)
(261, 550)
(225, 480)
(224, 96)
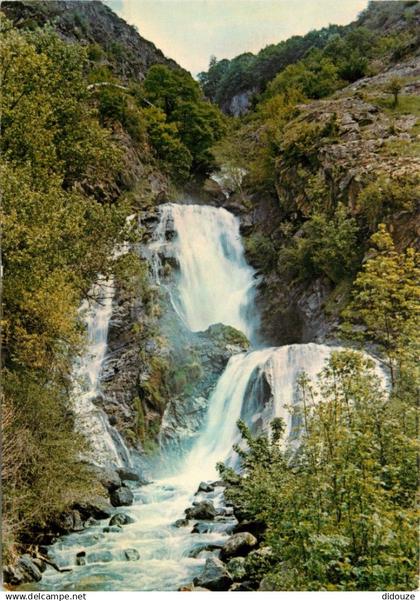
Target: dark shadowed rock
(214, 576)
(114, 529)
(130, 475)
(256, 528)
(242, 586)
(238, 545)
(97, 508)
(81, 558)
(121, 497)
(204, 510)
(131, 554)
(109, 479)
(181, 523)
(195, 552)
(30, 571)
(121, 519)
(205, 487)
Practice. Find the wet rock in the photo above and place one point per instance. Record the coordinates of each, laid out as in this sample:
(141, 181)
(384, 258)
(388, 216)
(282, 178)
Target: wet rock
(188, 588)
(254, 527)
(236, 568)
(195, 552)
(181, 523)
(90, 522)
(109, 479)
(13, 575)
(40, 564)
(99, 557)
(131, 554)
(239, 544)
(114, 529)
(29, 570)
(130, 475)
(70, 521)
(121, 497)
(204, 510)
(81, 558)
(121, 519)
(97, 508)
(205, 487)
(214, 576)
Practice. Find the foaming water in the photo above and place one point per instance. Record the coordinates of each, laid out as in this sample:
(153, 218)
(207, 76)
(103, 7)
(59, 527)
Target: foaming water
(106, 445)
(215, 284)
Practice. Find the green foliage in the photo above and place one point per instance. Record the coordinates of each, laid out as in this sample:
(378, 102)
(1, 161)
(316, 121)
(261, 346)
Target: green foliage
(339, 510)
(315, 77)
(383, 198)
(56, 239)
(327, 245)
(195, 124)
(386, 301)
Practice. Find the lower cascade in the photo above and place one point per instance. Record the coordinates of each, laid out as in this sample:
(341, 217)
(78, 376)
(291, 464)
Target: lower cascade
(214, 284)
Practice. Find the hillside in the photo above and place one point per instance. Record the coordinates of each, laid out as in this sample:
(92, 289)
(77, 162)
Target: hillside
(235, 84)
(91, 24)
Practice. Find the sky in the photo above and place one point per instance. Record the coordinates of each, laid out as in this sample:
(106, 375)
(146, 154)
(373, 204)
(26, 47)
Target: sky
(190, 31)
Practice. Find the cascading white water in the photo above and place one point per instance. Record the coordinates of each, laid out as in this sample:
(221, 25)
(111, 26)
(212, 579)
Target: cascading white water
(235, 398)
(107, 447)
(215, 284)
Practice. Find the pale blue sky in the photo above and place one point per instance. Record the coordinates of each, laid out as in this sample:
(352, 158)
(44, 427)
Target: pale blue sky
(190, 31)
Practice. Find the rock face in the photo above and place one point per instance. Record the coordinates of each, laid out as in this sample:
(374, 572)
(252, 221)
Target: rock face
(239, 544)
(25, 570)
(92, 22)
(214, 576)
(202, 511)
(121, 496)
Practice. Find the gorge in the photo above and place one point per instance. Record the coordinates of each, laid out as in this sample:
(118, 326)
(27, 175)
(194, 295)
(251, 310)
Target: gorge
(210, 284)
(210, 307)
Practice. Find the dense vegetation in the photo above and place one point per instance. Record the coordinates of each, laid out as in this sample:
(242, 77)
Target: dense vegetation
(68, 125)
(340, 513)
(319, 62)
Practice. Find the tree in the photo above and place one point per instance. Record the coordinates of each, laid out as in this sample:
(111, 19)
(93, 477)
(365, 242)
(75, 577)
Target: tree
(386, 301)
(394, 87)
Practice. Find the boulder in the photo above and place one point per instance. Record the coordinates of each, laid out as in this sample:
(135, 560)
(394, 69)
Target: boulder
(121, 519)
(30, 571)
(254, 527)
(202, 511)
(130, 475)
(239, 544)
(114, 529)
(205, 487)
(121, 497)
(81, 558)
(90, 522)
(97, 508)
(214, 576)
(131, 554)
(12, 575)
(40, 564)
(109, 479)
(236, 568)
(181, 523)
(70, 521)
(211, 548)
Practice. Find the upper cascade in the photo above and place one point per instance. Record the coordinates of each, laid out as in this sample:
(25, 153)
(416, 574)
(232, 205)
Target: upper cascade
(215, 284)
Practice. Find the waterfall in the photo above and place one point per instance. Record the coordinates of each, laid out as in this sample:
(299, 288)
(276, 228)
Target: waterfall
(107, 447)
(214, 284)
(255, 387)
